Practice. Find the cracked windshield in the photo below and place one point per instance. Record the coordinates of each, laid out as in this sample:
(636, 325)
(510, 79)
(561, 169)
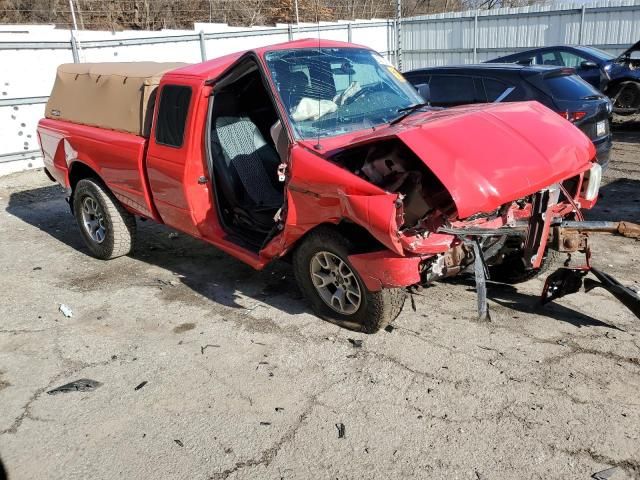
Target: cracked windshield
(330, 91)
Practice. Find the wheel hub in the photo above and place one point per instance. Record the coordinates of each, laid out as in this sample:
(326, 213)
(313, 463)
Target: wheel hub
(335, 282)
(93, 219)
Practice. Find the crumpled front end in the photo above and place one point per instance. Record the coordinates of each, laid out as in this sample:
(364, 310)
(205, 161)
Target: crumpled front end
(436, 243)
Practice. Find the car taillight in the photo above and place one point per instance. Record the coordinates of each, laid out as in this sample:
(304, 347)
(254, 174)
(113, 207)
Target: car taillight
(573, 116)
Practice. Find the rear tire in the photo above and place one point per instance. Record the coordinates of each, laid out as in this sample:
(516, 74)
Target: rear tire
(107, 229)
(323, 271)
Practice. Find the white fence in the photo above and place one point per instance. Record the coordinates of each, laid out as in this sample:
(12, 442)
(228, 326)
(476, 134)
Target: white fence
(475, 36)
(30, 54)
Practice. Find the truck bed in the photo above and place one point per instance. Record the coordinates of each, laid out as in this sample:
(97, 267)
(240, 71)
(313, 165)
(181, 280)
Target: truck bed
(117, 157)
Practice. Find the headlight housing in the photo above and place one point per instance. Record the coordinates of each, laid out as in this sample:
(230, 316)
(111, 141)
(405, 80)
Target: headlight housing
(591, 182)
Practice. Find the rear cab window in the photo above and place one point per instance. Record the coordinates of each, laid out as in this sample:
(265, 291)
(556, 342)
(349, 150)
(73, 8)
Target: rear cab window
(172, 115)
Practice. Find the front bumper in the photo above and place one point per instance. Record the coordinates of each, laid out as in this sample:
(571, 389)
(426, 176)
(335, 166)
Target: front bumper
(385, 269)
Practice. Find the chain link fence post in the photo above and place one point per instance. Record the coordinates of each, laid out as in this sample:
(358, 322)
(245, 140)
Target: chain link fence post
(475, 37)
(203, 47)
(581, 31)
(399, 34)
(74, 48)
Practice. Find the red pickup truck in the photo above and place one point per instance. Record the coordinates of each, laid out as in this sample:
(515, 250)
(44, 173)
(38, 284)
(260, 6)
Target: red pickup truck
(322, 153)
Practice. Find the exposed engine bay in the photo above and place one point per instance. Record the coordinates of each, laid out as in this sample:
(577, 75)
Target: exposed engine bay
(391, 166)
(510, 244)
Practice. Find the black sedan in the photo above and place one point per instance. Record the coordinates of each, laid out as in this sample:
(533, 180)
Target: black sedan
(558, 88)
(618, 77)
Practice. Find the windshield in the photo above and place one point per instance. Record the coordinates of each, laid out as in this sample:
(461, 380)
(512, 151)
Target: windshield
(599, 54)
(330, 91)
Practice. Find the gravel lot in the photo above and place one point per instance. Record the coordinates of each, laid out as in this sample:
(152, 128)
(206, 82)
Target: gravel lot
(244, 382)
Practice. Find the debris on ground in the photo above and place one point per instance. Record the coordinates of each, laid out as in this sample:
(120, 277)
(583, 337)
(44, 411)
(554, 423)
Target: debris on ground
(265, 423)
(605, 474)
(179, 443)
(279, 409)
(389, 328)
(355, 343)
(341, 430)
(35, 269)
(82, 385)
(141, 385)
(203, 348)
(66, 310)
(173, 236)
(184, 327)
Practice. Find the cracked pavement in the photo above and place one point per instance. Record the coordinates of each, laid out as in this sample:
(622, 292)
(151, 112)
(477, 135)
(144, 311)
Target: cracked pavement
(244, 382)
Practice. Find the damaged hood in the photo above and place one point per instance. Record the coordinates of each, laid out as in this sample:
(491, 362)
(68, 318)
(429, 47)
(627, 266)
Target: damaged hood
(488, 155)
(632, 48)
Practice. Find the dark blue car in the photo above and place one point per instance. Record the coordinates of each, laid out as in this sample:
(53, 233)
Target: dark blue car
(558, 88)
(618, 77)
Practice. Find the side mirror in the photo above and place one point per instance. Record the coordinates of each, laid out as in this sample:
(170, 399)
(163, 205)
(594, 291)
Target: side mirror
(635, 55)
(424, 92)
(587, 65)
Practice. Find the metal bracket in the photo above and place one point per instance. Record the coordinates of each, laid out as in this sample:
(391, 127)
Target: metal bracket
(565, 281)
(481, 274)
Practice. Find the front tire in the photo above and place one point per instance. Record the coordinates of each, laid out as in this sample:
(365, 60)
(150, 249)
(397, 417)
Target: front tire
(335, 290)
(107, 228)
(512, 270)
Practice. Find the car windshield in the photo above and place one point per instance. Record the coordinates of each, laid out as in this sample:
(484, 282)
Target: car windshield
(330, 91)
(599, 54)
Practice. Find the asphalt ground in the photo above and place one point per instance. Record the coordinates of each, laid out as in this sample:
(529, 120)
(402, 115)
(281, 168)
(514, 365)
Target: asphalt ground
(243, 381)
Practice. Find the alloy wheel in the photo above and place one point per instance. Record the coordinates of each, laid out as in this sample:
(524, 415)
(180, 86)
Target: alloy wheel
(93, 219)
(336, 283)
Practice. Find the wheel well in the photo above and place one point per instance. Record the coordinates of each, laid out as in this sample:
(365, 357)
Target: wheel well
(614, 84)
(359, 237)
(79, 171)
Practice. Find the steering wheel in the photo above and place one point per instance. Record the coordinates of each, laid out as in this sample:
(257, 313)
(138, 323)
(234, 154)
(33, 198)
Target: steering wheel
(360, 93)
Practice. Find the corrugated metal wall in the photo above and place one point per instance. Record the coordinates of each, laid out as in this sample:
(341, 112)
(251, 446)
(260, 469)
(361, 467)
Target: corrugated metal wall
(465, 37)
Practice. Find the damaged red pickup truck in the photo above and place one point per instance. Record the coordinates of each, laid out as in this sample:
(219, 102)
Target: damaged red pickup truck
(322, 153)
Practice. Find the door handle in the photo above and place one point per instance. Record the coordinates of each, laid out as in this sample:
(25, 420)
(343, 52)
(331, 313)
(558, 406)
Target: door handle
(202, 180)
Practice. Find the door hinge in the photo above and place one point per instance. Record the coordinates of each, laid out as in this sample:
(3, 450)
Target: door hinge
(282, 169)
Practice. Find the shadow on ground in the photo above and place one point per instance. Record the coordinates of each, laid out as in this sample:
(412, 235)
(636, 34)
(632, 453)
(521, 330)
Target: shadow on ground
(626, 128)
(510, 297)
(204, 269)
(223, 279)
(619, 200)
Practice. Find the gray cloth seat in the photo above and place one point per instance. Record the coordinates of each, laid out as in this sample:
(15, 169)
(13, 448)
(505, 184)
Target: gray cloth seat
(244, 165)
(247, 153)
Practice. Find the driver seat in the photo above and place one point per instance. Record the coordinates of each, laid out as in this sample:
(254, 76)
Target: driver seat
(245, 165)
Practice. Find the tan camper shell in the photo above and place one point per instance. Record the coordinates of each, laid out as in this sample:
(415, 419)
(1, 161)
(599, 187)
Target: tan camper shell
(117, 96)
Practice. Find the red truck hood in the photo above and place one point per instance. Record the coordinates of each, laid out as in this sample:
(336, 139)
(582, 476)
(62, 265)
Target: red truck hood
(488, 155)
